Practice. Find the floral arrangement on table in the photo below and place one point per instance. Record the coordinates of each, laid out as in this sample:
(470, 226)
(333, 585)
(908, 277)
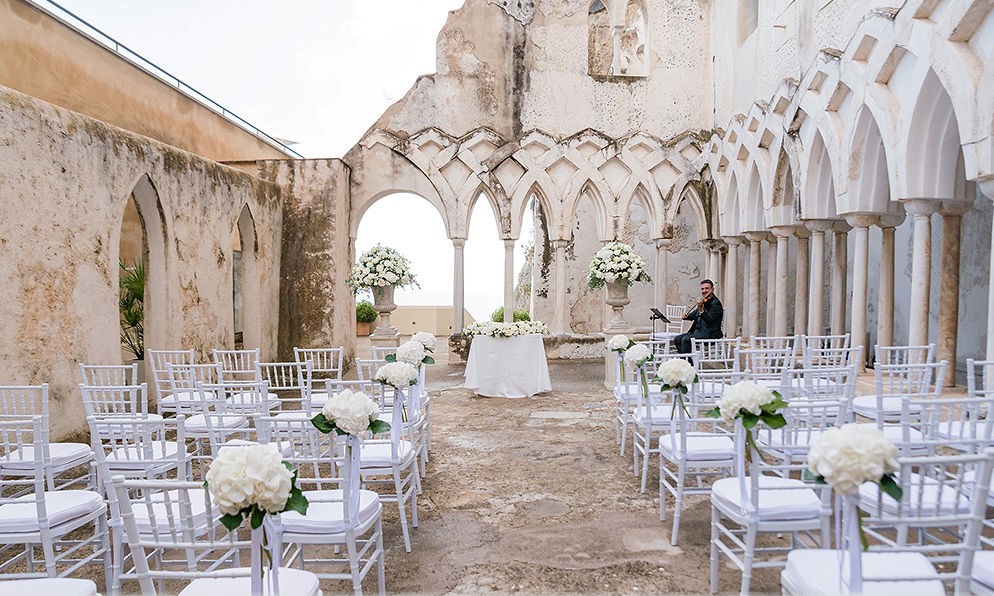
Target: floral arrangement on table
(380, 266)
(752, 403)
(506, 329)
(676, 375)
(616, 262)
(846, 457)
(412, 352)
(250, 481)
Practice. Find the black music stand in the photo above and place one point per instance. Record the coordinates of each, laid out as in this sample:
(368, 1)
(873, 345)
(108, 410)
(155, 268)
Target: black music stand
(657, 316)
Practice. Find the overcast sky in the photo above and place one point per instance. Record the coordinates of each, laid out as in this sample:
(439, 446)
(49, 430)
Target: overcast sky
(320, 73)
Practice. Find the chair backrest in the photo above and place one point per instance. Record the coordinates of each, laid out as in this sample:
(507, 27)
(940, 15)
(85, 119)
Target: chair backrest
(159, 360)
(819, 382)
(237, 365)
(824, 342)
(290, 380)
(113, 400)
(26, 438)
(26, 401)
(326, 362)
(768, 363)
(175, 515)
(377, 391)
(367, 367)
(109, 375)
(939, 492)
(958, 422)
(188, 377)
(138, 448)
(659, 347)
(979, 377)
(789, 343)
(381, 352)
(904, 354)
(315, 454)
(831, 357)
(909, 379)
(674, 312)
(715, 354)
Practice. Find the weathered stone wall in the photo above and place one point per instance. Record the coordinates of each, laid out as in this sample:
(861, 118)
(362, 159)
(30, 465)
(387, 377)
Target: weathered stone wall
(316, 307)
(64, 182)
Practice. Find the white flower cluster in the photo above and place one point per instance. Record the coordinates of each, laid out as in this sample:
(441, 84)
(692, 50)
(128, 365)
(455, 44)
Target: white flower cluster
(676, 371)
(411, 352)
(637, 355)
(397, 374)
(380, 266)
(351, 411)
(618, 343)
(851, 455)
(242, 476)
(616, 262)
(425, 339)
(506, 329)
(744, 395)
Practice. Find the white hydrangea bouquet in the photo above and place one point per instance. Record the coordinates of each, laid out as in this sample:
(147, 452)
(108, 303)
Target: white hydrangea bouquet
(350, 413)
(251, 481)
(412, 352)
(398, 375)
(514, 329)
(380, 266)
(620, 343)
(429, 341)
(635, 357)
(616, 261)
(676, 375)
(846, 457)
(753, 404)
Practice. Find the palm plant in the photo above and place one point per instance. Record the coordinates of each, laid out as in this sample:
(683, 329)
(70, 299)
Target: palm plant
(132, 306)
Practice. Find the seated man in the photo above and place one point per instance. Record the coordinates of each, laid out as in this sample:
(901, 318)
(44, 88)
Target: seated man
(706, 319)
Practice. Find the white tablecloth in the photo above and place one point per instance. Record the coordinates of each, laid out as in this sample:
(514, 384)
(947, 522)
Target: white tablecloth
(507, 366)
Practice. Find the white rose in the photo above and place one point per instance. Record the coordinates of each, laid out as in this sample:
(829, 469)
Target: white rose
(391, 277)
(851, 455)
(618, 343)
(676, 371)
(637, 355)
(411, 352)
(242, 476)
(397, 374)
(425, 339)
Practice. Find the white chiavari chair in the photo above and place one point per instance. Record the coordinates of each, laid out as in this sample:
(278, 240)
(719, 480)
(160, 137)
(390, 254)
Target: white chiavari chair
(237, 365)
(291, 383)
(109, 375)
(326, 363)
(159, 361)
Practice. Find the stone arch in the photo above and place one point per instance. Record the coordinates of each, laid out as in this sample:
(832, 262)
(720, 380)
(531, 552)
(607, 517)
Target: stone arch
(485, 191)
(868, 190)
(154, 233)
(244, 232)
(519, 203)
(602, 213)
(730, 217)
(638, 191)
(751, 211)
(784, 191)
(933, 143)
(818, 188)
(692, 197)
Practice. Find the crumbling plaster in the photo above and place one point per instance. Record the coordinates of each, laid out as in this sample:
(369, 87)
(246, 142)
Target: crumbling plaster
(65, 180)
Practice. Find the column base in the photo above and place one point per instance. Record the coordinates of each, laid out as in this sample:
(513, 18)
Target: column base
(385, 340)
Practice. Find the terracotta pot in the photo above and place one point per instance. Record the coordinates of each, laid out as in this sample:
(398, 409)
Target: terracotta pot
(362, 329)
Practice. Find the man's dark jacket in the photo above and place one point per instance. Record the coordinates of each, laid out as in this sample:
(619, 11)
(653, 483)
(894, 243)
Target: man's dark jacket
(707, 325)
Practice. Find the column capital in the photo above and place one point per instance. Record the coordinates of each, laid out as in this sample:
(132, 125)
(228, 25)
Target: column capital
(956, 208)
(862, 220)
(891, 220)
(819, 225)
(782, 231)
(755, 236)
(921, 207)
(841, 227)
(663, 242)
(734, 240)
(559, 243)
(714, 245)
(802, 232)
(458, 242)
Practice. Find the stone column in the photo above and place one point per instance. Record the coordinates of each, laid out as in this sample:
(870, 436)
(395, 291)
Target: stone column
(661, 287)
(840, 267)
(801, 281)
(771, 284)
(560, 323)
(752, 299)
(730, 295)
(783, 234)
(816, 314)
(921, 269)
(458, 285)
(952, 213)
(861, 249)
(885, 308)
(508, 280)
(987, 187)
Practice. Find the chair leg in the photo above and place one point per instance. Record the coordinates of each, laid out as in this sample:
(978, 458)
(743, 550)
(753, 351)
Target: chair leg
(645, 457)
(678, 506)
(750, 553)
(381, 581)
(354, 563)
(399, 489)
(715, 519)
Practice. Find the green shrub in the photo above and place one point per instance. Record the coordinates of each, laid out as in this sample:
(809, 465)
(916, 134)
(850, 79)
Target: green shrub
(364, 312)
(519, 315)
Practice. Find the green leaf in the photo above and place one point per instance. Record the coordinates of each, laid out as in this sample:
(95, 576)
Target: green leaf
(891, 487)
(428, 360)
(390, 358)
(322, 424)
(257, 516)
(697, 378)
(379, 426)
(205, 484)
(713, 413)
(297, 501)
(682, 389)
(749, 419)
(774, 420)
(231, 521)
(809, 476)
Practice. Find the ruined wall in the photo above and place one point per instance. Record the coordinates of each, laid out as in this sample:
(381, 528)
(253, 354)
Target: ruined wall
(64, 183)
(48, 60)
(316, 307)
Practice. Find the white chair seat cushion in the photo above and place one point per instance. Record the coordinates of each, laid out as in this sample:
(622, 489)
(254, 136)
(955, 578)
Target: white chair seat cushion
(699, 447)
(378, 455)
(779, 498)
(926, 493)
(184, 396)
(775, 437)
(292, 581)
(983, 567)
(144, 517)
(866, 406)
(325, 513)
(630, 391)
(61, 506)
(318, 399)
(61, 454)
(958, 429)
(287, 450)
(198, 423)
(295, 415)
(63, 586)
(245, 400)
(816, 571)
(133, 457)
(660, 416)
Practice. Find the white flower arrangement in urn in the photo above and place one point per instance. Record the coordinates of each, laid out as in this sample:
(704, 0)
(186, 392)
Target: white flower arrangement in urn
(616, 262)
(381, 266)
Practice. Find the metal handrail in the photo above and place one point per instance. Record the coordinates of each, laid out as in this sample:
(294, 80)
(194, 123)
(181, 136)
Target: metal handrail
(78, 24)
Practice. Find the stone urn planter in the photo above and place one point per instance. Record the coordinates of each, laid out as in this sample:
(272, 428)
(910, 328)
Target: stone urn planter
(617, 299)
(383, 304)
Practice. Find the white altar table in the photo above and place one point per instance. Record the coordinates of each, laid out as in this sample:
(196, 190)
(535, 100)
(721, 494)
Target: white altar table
(507, 366)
